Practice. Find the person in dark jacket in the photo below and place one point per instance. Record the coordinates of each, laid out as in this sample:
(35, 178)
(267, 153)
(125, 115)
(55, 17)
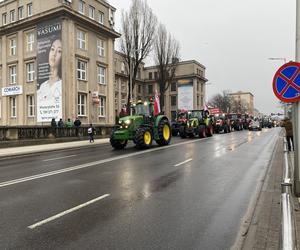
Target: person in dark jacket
(53, 126)
(287, 124)
(77, 124)
(60, 123)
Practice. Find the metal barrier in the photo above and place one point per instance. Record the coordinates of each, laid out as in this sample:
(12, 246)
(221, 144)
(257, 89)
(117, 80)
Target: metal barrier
(288, 237)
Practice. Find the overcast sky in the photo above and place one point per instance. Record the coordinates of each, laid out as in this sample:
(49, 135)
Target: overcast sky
(233, 39)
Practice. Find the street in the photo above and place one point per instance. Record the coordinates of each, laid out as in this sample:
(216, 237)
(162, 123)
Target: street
(191, 194)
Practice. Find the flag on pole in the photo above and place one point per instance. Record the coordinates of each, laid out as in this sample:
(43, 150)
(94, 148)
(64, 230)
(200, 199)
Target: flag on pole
(156, 103)
(205, 107)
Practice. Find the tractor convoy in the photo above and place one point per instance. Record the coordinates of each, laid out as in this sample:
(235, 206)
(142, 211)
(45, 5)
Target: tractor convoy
(144, 125)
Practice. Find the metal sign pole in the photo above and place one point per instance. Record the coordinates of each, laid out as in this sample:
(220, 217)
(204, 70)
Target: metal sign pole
(296, 109)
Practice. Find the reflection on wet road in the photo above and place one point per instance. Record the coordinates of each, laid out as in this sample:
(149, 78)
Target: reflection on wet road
(191, 195)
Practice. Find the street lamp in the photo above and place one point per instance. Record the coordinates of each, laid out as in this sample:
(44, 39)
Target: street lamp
(278, 58)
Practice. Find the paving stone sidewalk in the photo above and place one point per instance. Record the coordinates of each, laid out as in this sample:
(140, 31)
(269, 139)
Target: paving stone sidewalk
(264, 231)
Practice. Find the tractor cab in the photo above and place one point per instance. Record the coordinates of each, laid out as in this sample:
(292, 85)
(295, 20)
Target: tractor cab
(142, 109)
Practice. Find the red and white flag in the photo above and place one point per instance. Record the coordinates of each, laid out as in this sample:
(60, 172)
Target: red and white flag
(205, 107)
(156, 104)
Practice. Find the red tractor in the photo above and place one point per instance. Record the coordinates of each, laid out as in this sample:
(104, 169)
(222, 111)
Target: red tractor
(182, 117)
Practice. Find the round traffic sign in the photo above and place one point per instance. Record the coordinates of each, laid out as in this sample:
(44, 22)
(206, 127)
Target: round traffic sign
(286, 82)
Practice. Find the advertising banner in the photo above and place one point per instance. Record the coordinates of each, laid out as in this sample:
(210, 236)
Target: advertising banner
(49, 77)
(185, 96)
(13, 90)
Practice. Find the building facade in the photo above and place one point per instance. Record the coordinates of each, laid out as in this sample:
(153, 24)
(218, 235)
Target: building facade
(245, 99)
(57, 61)
(187, 91)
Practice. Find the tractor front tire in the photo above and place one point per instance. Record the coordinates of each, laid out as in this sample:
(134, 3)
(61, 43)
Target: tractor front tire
(182, 132)
(116, 144)
(209, 131)
(202, 132)
(143, 138)
(164, 133)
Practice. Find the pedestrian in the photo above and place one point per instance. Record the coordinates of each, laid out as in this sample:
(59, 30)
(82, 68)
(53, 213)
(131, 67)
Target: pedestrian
(53, 126)
(287, 124)
(60, 123)
(91, 131)
(77, 124)
(69, 123)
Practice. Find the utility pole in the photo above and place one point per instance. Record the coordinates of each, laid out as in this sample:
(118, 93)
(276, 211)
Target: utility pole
(296, 111)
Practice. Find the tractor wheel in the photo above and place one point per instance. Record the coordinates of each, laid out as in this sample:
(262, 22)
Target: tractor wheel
(143, 138)
(164, 133)
(116, 144)
(174, 132)
(202, 132)
(182, 132)
(209, 131)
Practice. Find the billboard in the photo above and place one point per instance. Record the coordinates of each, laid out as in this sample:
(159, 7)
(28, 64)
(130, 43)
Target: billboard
(185, 95)
(49, 77)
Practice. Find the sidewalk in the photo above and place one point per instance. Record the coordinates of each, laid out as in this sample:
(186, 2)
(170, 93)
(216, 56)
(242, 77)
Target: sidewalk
(264, 229)
(14, 151)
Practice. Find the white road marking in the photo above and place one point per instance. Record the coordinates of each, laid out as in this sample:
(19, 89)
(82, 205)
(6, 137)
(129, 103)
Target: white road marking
(59, 158)
(184, 162)
(90, 164)
(54, 217)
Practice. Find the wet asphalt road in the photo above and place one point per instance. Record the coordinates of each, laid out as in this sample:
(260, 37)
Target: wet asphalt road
(189, 195)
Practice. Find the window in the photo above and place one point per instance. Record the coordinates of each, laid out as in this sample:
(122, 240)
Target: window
(30, 106)
(155, 75)
(101, 17)
(139, 89)
(13, 46)
(139, 73)
(29, 9)
(150, 75)
(30, 41)
(198, 100)
(13, 74)
(13, 107)
(20, 13)
(12, 16)
(91, 12)
(4, 19)
(30, 72)
(101, 72)
(100, 47)
(81, 7)
(173, 100)
(81, 70)
(102, 106)
(150, 89)
(173, 86)
(81, 39)
(81, 104)
(122, 67)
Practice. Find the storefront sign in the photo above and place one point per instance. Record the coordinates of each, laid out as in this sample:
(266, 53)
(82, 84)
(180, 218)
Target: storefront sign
(12, 90)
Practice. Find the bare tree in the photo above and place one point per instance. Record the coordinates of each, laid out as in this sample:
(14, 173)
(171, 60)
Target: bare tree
(166, 56)
(221, 101)
(239, 106)
(138, 32)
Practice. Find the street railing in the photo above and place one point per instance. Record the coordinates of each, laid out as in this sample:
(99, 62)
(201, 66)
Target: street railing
(288, 237)
(44, 132)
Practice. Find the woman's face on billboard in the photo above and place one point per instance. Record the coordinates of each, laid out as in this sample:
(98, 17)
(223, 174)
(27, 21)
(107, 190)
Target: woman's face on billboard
(55, 53)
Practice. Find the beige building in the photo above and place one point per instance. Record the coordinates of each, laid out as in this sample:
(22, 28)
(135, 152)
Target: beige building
(189, 81)
(40, 39)
(244, 99)
(58, 61)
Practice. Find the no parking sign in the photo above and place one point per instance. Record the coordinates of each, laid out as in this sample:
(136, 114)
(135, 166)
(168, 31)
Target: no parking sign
(286, 82)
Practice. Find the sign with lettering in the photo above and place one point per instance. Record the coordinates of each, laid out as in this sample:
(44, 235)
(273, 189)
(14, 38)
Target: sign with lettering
(12, 90)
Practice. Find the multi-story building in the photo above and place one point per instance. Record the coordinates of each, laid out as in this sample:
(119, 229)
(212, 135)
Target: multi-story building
(187, 91)
(57, 61)
(245, 100)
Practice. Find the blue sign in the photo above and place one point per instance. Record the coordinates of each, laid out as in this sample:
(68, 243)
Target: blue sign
(286, 82)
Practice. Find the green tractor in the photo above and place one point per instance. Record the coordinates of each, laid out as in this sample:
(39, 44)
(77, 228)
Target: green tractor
(142, 127)
(198, 124)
